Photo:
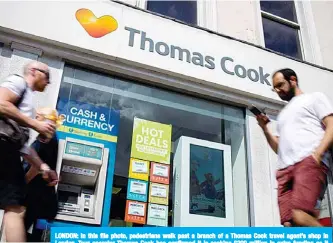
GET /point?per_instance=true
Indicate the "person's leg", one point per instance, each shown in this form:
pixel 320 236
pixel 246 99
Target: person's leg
pixel 310 177
pixel 14 224
pixel 284 179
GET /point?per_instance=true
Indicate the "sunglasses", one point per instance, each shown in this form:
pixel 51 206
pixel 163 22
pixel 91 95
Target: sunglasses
pixel 47 74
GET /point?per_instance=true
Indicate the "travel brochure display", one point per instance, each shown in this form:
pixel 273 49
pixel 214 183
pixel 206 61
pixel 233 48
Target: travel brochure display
pixel 149 163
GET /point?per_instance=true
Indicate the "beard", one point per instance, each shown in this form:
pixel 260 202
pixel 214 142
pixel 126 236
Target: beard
pixel 289 95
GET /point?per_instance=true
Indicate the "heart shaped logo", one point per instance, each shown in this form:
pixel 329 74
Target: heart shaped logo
pixel 96 27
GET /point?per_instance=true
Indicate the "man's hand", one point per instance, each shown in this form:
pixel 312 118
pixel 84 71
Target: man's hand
pixel 44 128
pixel 317 157
pixel 263 120
pixel 49 175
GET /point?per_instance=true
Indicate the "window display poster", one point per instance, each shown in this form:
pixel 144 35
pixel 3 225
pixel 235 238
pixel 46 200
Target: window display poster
pixel 89 121
pixel 159 193
pixel 159 173
pixel 157 215
pixel 207 189
pixel 151 141
pixel 139 169
pixel 135 212
pixel 137 190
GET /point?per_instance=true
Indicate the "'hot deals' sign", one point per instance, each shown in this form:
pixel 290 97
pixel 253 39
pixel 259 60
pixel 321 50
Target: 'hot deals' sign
pixel 151 141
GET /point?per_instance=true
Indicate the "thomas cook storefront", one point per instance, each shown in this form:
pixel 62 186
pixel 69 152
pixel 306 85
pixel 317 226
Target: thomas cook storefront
pixel 156 127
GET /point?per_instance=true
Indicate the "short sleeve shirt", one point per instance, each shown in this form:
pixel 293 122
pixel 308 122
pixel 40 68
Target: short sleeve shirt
pixel 16 84
pixel 300 128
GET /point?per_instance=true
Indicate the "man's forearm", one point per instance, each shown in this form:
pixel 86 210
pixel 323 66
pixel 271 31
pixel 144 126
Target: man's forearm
pixel 33 159
pixel 271 139
pixel 7 109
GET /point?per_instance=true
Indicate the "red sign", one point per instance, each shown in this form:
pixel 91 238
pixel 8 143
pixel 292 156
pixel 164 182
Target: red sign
pixel 135 212
pixel 160 173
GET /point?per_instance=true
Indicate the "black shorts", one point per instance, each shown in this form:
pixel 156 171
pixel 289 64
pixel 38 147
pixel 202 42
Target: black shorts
pixel 12 179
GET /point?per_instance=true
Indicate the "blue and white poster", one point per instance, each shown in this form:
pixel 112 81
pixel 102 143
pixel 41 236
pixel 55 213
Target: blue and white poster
pixel 89 120
pixel 207 188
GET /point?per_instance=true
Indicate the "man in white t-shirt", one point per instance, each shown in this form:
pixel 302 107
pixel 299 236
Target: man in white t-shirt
pixel 303 141
pixel 16 103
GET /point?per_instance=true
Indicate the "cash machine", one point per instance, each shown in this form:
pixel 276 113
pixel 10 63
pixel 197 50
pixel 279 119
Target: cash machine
pixel 82 167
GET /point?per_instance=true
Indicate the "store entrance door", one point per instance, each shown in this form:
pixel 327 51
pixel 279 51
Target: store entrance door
pixel 203 193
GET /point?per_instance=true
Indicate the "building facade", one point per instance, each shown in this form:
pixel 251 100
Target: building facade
pixel 196 65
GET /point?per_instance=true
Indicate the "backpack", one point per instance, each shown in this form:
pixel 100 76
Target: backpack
pixel 10 131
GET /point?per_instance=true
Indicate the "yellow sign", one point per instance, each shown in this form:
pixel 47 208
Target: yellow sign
pixel 159 193
pixel 151 141
pixel 139 169
pixel 85 133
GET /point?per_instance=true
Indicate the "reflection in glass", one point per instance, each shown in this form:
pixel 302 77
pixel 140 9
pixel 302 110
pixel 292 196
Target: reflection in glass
pixel 185 11
pixel 281 38
pixel 207 189
pixel 283 9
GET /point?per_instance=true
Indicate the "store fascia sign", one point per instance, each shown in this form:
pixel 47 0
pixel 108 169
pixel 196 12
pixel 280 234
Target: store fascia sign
pixel 227 64
pixel 99 27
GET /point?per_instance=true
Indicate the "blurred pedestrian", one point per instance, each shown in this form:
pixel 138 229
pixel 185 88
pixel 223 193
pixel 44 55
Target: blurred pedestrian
pixel 303 140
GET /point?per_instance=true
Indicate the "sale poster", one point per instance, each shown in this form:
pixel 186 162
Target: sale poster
pixel 157 215
pixel 137 190
pixel 151 141
pixel 139 169
pixel 159 193
pixel 135 212
pixel 160 173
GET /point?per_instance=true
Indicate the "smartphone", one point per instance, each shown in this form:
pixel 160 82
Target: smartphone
pixel 257 112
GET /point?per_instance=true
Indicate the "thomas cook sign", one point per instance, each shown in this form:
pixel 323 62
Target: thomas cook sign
pixel 227 64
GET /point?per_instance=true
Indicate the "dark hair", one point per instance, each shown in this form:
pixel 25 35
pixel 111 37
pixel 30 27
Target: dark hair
pixel 287 73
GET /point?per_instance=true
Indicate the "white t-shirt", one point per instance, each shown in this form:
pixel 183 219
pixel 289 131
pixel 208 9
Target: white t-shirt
pixel 16 84
pixel 300 128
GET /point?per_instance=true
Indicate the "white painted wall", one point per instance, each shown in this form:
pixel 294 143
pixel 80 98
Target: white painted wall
pixel 263 180
pixel 323 18
pixel 238 19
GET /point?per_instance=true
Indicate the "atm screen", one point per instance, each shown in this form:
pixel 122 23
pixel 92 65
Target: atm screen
pixel 68 197
pixel 84 150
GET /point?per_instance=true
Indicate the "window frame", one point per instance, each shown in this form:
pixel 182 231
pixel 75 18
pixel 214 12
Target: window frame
pixel 309 44
pixel 285 22
pixel 206 12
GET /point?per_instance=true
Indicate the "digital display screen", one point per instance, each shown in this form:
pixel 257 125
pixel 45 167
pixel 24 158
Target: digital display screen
pixel 207 188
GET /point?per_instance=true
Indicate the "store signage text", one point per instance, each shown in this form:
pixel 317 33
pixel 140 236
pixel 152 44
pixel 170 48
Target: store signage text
pixel 227 64
pixel 87 118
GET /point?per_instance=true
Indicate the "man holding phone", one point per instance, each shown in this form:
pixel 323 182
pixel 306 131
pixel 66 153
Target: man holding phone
pixel 303 140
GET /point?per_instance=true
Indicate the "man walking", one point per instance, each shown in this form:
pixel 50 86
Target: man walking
pixel 16 103
pixel 304 137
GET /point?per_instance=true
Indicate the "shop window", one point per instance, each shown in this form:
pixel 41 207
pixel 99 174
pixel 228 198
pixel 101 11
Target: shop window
pixel 185 11
pixel 281 27
pixel 188 115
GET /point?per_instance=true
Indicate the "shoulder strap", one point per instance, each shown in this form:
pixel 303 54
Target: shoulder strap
pixel 19 101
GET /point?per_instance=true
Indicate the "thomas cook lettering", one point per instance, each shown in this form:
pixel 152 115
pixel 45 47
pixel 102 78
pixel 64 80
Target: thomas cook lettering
pixel 228 65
